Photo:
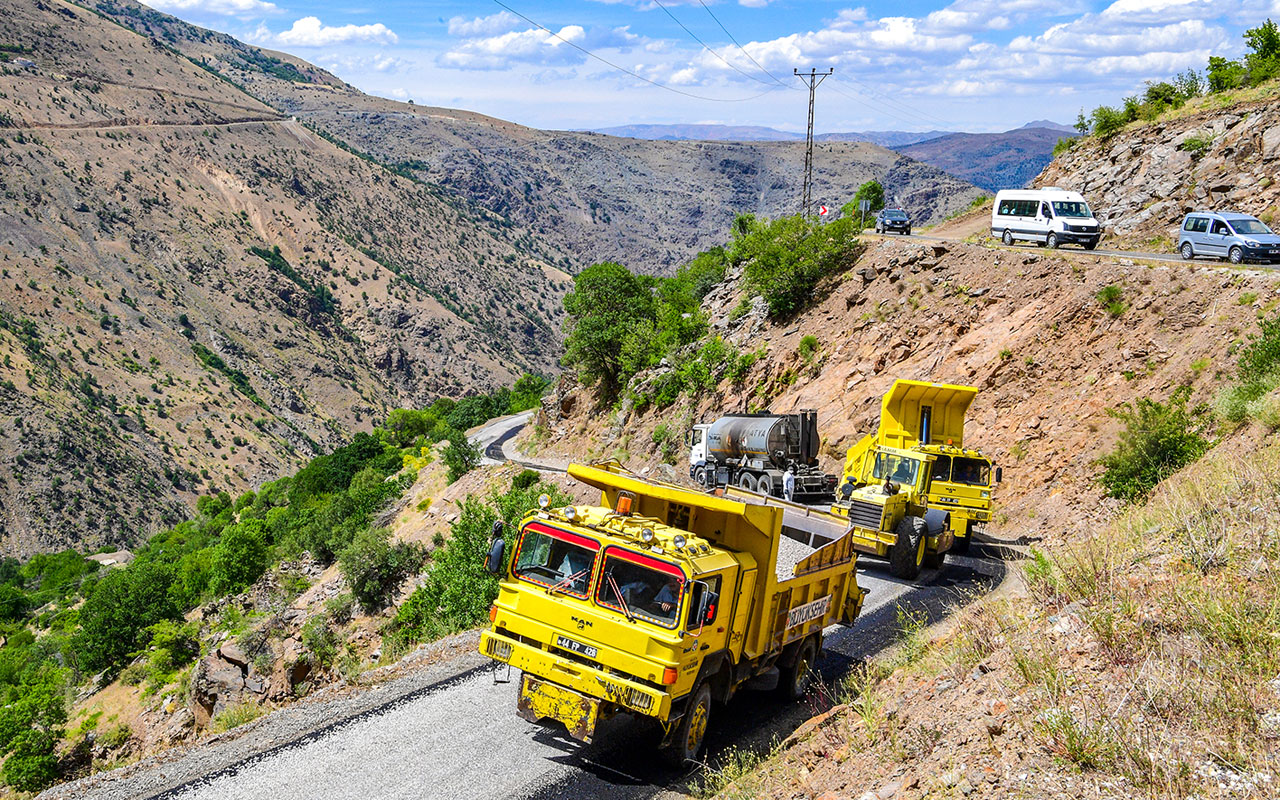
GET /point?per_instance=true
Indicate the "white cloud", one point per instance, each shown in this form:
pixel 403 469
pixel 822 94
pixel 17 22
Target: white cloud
pixel 231 8
pixel 502 22
pixel 534 46
pixel 310 32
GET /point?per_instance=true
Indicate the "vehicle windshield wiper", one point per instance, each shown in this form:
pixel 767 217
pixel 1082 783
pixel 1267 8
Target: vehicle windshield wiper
pixel 626 610
pixel 568 579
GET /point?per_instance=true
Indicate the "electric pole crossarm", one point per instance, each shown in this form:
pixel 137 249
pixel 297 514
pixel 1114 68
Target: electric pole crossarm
pixel 812 79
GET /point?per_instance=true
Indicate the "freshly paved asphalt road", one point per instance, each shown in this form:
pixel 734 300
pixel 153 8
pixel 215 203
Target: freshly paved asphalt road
pixel 459 736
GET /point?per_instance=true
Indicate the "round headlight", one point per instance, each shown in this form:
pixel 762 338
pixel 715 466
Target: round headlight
pixel 544 500
pixel 646 535
pixel 570 513
pixel 678 541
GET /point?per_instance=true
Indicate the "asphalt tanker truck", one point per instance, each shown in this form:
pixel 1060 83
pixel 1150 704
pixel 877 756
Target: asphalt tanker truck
pixel 754 451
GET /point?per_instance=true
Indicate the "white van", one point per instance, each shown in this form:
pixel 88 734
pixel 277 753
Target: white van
pixel 1049 216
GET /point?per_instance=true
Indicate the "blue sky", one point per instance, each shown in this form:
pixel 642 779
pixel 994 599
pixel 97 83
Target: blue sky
pixel 976 65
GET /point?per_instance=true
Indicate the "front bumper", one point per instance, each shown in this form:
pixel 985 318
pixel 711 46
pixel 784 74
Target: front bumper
pixel 634 696
pixel 1075 237
pixel 1267 253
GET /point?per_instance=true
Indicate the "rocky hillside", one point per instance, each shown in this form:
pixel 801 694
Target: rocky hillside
pixel 648 204
pixel 1144 179
pixel 199 292
pixel 992 161
pixel 1026 328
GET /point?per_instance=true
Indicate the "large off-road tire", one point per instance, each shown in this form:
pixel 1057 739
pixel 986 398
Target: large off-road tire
pixel 934 560
pixel 907 554
pixel 764 485
pixel 1051 241
pixel 1007 238
pixel 1236 256
pixel 692 734
pixel 1188 252
pixel 797 678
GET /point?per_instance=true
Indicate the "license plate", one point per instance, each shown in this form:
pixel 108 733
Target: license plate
pixel 576 647
pixel 1274 252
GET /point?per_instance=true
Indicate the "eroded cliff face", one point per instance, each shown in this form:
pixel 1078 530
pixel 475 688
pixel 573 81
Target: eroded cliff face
pixel 1143 180
pixel 1025 327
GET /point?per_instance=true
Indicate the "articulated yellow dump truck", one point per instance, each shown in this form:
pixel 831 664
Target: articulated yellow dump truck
pixel 911 490
pixel 659 601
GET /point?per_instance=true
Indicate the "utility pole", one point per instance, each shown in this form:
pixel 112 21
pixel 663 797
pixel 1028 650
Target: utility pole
pixel 811 78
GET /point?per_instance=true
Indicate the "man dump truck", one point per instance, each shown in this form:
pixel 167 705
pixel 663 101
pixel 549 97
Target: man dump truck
pixel 754 451
pixel 658 602
pixel 909 492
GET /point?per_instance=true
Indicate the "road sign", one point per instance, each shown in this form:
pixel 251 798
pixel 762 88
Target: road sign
pixel 864 205
pixel 823 211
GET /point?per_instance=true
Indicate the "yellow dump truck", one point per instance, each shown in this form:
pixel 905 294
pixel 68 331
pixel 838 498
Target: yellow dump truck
pixel 911 491
pixel 659 601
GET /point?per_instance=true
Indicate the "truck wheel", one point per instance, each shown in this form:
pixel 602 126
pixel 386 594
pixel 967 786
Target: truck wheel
pixel 1052 241
pixel 797 678
pixel 935 560
pixel 700 476
pixel 907 554
pixel 960 545
pixel 1007 238
pixel 693 728
pixel 745 481
pixel 764 485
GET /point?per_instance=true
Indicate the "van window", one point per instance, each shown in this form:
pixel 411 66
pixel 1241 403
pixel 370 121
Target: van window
pixel 1202 224
pixel 1044 210
pixel 1017 208
pixel 1071 208
pixel 1220 227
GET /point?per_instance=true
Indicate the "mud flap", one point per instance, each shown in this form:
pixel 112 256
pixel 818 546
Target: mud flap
pixel 539 699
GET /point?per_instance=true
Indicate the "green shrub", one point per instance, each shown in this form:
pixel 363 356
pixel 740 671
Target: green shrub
pixel 525 479
pixel 784 259
pixel 114 619
pixel 808 346
pixel 1158 440
pixel 1196 145
pixel 375 567
pixel 1257 375
pixel 1108 121
pixel 320 639
pixel 457 591
pixel 239 558
pixel 235 716
pixel 1112 299
pixel 31 720
pixel 1064 145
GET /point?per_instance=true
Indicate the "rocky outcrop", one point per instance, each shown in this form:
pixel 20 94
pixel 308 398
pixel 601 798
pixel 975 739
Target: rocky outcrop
pixel 1143 180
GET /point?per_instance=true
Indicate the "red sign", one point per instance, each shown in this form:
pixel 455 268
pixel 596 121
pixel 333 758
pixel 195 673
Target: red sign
pixel 823 211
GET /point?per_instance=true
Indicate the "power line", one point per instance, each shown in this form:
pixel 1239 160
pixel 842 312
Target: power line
pixel 635 75
pixel 707 47
pixel 889 105
pixel 743 49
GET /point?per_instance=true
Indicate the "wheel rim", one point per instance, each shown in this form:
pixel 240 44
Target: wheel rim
pixel 1053 240
pixel 1236 256
pixel 920 551
pixel 697 729
pixel 1008 238
pixel 1186 251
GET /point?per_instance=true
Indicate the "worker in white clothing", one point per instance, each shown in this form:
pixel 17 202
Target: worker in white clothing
pixel 788 484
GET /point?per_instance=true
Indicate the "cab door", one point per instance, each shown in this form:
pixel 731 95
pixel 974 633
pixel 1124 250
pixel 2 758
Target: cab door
pixel 713 633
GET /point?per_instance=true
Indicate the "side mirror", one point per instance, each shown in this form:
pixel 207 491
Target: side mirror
pixel 707 611
pixel 493 562
pixel 999 474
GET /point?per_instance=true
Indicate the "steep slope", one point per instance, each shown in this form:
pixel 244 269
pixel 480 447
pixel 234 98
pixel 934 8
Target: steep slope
pixel 1026 328
pixel 148 352
pixel 648 204
pixel 1143 180
pixel 993 161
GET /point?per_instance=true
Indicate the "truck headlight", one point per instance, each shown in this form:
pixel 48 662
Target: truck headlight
pixel 986 495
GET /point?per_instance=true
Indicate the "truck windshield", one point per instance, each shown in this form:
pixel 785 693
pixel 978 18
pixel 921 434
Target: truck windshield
pixel 1072 208
pixel 639 586
pixel 556 559
pixel 898 469
pixel 972 471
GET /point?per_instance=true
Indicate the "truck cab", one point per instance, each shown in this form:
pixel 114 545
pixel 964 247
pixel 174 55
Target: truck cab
pixel 656 602
pixel 961 483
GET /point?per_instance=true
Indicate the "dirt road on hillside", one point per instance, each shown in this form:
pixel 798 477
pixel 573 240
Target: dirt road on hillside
pixel 452 731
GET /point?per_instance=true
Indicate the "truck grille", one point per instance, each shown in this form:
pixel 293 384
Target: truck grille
pixel 496 648
pixel 864 514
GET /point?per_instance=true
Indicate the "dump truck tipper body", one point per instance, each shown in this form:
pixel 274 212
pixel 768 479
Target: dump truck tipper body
pixel 754 451
pixel 656 602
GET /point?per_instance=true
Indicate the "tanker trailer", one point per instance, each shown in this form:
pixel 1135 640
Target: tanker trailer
pixel 754 450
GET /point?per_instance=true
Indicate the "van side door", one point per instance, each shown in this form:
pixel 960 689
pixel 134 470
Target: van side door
pixel 1046 214
pixel 1216 240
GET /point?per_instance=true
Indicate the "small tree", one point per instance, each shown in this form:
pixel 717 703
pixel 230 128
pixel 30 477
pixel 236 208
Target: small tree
pixel 606 302
pixel 239 558
pixel 460 456
pixel 871 191
pixel 31 722
pixel 114 618
pixel 375 567
pixel 1224 75
pixel 1264 60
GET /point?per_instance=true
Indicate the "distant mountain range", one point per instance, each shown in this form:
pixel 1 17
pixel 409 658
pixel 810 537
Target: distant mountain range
pixel 992 161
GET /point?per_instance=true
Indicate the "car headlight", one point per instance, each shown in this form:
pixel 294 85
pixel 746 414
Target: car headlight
pixel 1250 243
